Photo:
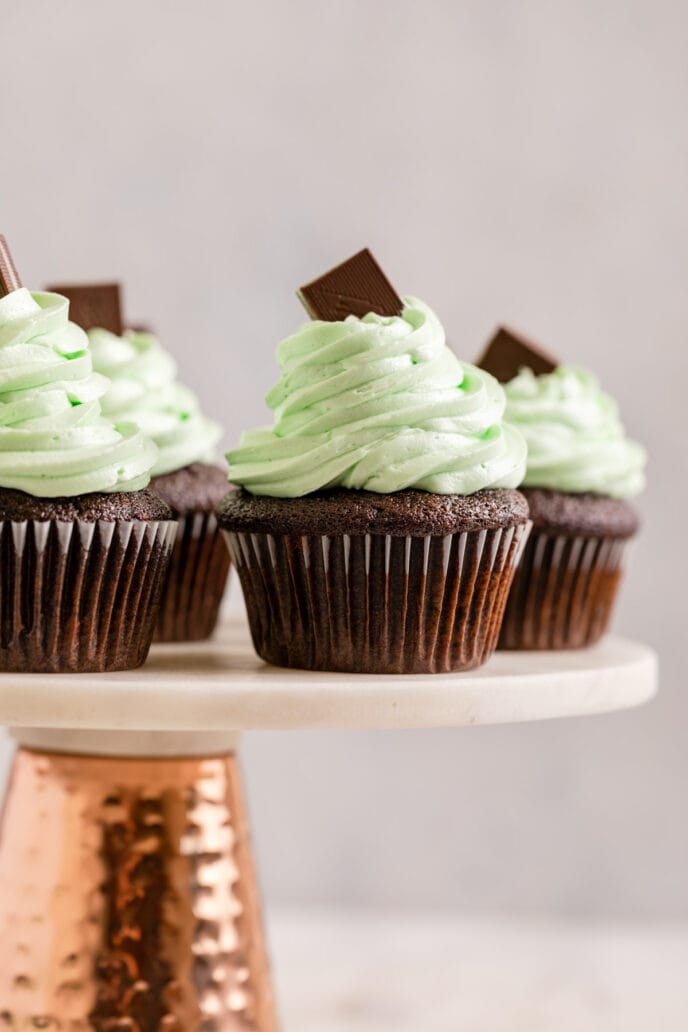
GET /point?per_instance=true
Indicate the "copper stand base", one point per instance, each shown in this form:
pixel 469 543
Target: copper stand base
pixel 128 900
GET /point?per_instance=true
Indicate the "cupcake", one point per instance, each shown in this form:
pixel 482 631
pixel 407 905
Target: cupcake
pixel 581 471
pixel 84 546
pixel 144 389
pixel 376 526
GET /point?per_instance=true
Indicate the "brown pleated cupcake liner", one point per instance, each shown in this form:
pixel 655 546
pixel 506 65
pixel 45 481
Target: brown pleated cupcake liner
pixel 563 591
pixel 80 596
pixel 376 603
pixel 196 580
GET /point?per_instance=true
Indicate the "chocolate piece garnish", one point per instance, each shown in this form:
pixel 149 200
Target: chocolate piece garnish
pixel 95 305
pixel 9 277
pixel 142 328
pixel 355 287
pixel 508 352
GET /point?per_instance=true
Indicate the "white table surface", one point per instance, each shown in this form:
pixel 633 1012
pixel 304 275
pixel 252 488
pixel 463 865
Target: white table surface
pixel 348 972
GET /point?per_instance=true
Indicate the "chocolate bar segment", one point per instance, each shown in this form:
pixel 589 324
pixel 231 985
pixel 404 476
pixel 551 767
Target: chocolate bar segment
pixel 356 287
pixel 94 305
pixel 9 277
pixel 508 352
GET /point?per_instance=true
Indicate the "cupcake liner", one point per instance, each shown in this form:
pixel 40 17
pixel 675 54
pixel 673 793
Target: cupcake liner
pixel 563 591
pixel 196 580
pixel 376 603
pixel 81 595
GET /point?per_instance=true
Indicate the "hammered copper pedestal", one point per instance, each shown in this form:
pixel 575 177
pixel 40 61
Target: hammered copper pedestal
pixel 128 899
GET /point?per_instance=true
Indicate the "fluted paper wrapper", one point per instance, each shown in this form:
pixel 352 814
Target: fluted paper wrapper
pixel 563 592
pixel 80 596
pixel 195 582
pixel 376 603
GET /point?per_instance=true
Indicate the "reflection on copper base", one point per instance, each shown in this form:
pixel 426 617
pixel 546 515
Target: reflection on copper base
pixel 128 900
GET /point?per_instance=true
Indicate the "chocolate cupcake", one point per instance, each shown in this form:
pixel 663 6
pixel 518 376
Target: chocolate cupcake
pixel 82 579
pixel 144 389
pixel 581 470
pixel 84 548
pixel 200 561
pixel 377 527
pixel 566 582
pixel 401 583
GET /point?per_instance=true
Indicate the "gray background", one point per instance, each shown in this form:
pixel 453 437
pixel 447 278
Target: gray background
pixel 506 161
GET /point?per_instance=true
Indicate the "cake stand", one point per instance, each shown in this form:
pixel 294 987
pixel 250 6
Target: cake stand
pixel 128 898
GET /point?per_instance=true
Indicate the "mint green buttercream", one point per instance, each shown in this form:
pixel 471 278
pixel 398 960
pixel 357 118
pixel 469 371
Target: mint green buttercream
pixel 379 404
pixel 144 390
pixel 576 441
pixel 54 440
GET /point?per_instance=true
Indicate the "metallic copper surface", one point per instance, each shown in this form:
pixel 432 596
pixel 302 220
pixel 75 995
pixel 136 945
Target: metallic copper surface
pixel 128 900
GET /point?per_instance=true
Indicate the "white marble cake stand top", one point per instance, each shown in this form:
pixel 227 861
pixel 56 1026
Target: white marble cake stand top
pixel 221 686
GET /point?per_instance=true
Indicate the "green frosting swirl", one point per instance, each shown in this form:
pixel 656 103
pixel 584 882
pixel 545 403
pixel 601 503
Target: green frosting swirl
pixel 379 404
pixel 144 390
pixel 576 441
pixel 54 440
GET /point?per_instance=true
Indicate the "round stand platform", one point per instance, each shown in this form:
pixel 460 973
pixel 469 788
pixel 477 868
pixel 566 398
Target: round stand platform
pixel 222 685
pixel 127 893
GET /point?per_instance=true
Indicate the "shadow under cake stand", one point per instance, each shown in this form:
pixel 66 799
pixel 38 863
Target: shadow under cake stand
pixel 128 899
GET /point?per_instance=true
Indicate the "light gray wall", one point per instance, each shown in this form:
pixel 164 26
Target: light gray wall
pixel 520 161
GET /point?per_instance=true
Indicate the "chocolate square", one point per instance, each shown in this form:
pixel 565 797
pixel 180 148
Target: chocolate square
pixel 9 277
pixel 94 305
pixel 356 287
pixel 509 352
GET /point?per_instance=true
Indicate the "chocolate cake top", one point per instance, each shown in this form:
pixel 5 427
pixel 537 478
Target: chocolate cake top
pixel 340 511
pixel 120 505
pixel 586 514
pixel 199 487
